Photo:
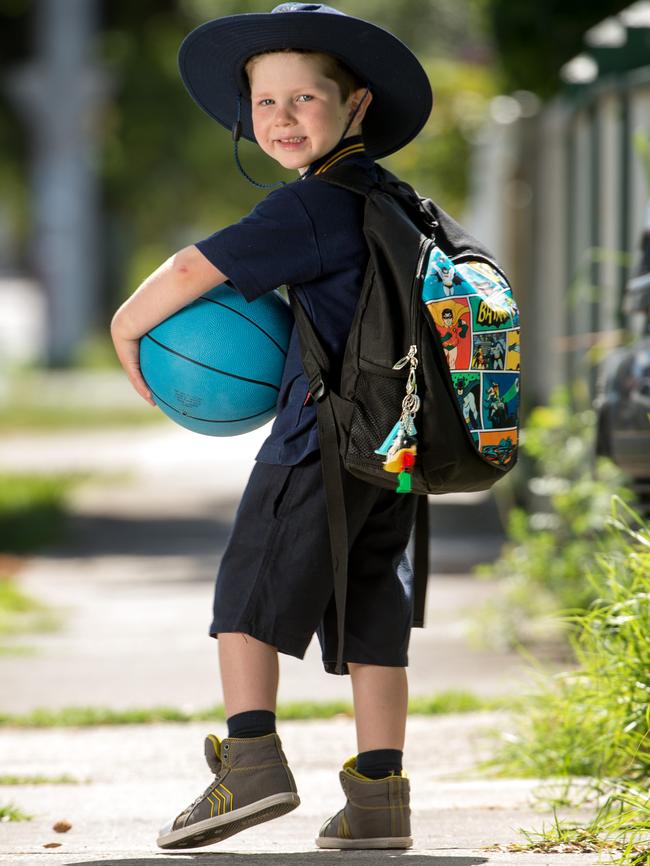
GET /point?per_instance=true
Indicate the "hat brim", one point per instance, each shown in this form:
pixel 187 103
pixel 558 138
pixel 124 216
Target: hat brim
pixel 211 60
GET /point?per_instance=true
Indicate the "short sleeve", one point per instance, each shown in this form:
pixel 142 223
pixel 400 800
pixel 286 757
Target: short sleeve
pixel 274 245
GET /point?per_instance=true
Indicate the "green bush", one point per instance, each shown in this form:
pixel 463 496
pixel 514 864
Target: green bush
pixel 594 721
pixel 552 545
pixel 32 510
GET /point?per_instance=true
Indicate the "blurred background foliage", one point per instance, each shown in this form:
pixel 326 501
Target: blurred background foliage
pixel 168 175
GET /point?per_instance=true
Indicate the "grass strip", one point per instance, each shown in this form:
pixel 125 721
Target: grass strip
pixel 11 812
pixel 65 779
pixel 444 702
pixel 569 837
pixel 17 650
pixel 51 419
pixel 19 613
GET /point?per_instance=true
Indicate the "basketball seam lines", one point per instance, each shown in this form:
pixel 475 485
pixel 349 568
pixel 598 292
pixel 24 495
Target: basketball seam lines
pixel 208 367
pixel 266 333
pixel 209 420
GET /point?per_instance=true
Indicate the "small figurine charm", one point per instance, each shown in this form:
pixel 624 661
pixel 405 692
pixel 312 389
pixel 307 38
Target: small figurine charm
pixel 400 446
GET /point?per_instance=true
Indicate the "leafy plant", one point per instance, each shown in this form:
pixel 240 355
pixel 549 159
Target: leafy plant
pixel 591 726
pixel 561 537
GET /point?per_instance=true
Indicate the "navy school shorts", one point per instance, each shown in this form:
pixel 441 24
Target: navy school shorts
pixel 275 580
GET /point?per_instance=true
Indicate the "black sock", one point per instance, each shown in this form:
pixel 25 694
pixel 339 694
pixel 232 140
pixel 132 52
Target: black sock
pixel 379 763
pixel 253 723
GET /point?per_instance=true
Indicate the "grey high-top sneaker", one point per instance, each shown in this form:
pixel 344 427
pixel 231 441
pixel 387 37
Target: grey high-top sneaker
pixel 376 815
pixel 252 784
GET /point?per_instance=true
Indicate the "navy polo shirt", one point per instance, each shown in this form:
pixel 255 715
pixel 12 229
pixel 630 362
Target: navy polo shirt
pixel 308 235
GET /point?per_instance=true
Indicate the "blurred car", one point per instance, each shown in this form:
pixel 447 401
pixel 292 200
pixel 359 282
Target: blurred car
pixel 623 401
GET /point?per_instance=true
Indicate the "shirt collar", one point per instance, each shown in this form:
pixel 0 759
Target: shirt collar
pixel 352 146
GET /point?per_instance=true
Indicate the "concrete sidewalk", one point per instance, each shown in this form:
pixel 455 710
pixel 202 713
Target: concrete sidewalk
pixel 135 778
pixel 134 585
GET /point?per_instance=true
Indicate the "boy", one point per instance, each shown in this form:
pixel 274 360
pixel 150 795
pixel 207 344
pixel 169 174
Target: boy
pixel 300 81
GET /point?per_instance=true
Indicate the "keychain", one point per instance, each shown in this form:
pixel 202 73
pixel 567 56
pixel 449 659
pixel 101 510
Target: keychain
pixel 399 448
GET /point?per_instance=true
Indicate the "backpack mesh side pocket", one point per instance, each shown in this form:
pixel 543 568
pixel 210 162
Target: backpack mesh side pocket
pixel 378 405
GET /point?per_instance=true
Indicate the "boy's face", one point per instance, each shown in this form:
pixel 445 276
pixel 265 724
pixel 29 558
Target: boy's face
pixel 297 112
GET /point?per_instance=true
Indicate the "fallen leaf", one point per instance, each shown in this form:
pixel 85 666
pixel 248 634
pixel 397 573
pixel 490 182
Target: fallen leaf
pixel 62 826
pixel 52 845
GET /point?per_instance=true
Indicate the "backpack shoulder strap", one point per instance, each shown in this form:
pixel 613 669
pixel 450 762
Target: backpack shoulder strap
pixel 316 366
pixel 421 561
pixel 429 216
pixel 357 179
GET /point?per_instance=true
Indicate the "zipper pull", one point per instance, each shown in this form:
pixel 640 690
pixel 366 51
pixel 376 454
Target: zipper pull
pixel 407 359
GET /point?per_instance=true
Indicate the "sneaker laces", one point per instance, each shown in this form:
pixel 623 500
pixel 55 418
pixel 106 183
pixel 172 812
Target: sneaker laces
pixel 213 759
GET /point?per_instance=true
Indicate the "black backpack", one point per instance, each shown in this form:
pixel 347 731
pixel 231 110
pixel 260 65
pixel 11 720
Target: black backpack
pixel 428 395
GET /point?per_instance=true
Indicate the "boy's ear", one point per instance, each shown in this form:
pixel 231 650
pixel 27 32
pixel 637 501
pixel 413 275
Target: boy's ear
pixel 360 96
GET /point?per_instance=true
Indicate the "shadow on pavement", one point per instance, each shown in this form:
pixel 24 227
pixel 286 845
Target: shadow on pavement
pixel 280 859
pixel 100 535
pixel 463 535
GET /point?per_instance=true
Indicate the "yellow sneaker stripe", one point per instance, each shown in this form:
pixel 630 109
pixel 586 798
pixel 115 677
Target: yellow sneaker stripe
pixel 230 794
pixel 221 800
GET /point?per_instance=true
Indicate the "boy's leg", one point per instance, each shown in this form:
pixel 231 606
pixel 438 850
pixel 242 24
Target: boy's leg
pixel 377 811
pixel 252 781
pixel 380 697
pixel 249 673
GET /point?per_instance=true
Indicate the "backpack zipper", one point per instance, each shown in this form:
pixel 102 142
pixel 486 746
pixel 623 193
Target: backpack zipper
pixel 459 258
pixel 416 294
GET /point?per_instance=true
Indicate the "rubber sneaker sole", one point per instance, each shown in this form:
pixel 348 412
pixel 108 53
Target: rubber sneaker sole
pixel 212 830
pixel 379 842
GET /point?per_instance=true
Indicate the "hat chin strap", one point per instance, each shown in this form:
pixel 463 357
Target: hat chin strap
pixel 236 135
pixel 354 114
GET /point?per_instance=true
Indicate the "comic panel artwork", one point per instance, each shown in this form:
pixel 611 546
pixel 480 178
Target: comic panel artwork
pixel 468 394
pixel 489 351
pixel 498 446
pixel 453 321
pixel 496 312
pixel 477 321
pixel 513 355
pixel 500 400
pixel 444 279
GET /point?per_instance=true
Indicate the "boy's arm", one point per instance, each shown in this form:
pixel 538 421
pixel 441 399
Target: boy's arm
pixel 183 278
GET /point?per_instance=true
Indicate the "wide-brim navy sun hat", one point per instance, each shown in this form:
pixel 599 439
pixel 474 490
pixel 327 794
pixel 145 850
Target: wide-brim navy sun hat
pixel 212 59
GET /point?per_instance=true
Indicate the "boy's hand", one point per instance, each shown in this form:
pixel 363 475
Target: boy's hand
pixel 181 279
pixel 128 352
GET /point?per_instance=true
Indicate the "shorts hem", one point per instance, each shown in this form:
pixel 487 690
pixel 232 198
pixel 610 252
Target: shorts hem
pixel 330 665
pixel 292 646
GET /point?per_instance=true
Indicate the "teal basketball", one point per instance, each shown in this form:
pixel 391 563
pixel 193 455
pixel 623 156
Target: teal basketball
pixel 215 366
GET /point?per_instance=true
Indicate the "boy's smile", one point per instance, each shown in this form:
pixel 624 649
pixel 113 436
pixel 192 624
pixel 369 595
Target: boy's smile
pixel 297 112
